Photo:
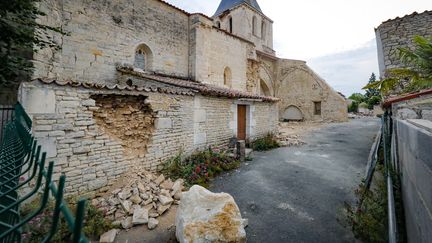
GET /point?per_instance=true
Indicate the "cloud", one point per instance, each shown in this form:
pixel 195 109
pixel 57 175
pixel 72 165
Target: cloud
pixel 348 71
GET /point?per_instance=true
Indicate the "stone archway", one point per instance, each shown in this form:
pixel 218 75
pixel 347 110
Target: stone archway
pixel 292 113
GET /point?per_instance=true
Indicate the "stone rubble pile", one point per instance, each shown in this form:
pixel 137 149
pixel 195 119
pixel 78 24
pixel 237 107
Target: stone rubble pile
pixel 141 199
pixel 289 140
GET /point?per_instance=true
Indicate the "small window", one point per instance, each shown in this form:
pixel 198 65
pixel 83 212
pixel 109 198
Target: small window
pixel 143 57
pixel 317 108
pixel 230 25
pixel 218 24
pixel 227 77
pixel 263 30
pixel 254 25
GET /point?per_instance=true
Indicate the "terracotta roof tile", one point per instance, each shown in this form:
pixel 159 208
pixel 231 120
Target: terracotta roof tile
pixel 116 87
pixel 204 89
pixel 389 101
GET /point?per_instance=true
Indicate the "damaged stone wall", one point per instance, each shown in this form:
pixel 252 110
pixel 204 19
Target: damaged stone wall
pixel 127 118
pixel 253 77
pixel 300 86
pixel 82 133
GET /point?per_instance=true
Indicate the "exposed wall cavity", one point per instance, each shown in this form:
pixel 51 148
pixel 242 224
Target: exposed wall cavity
pixel 126 118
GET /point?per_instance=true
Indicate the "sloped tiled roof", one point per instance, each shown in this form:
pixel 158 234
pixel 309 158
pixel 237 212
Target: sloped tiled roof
pixel 117 87
pixel 204 89
pixel 230 4
pixel 389 101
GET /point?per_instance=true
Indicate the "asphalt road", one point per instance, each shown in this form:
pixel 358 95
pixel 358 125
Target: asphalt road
pixel 296 194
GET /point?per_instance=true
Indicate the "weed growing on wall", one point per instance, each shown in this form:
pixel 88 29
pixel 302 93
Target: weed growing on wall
pixel 200 167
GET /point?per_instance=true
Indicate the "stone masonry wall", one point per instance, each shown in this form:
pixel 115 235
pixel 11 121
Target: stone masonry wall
pixel 299 86
pixel 399 32
pixel 95 135
pixel 215 50
pixel 102 33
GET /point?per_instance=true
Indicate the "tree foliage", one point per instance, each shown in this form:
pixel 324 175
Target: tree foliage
pixel 20 34
pixel 415 76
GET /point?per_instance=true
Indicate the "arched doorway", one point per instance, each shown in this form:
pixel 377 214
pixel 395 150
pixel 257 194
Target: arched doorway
pixel 292 113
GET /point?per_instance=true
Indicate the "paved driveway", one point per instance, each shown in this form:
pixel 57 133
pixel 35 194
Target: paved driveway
pixel 296 194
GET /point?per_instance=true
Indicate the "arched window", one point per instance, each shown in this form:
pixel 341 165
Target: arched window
pixel 227 77
pixel 254 25
pixel 143 57
pixel 263 30
pixel 218 24
pixel 230 25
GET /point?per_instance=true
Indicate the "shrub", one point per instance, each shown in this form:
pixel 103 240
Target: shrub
pixel 200 167
pixel 265 143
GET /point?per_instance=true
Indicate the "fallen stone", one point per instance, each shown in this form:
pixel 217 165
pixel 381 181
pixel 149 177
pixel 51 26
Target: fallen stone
pixel 164 200
pixel 141 187
pixel 148 201
pixel 204 216
pixel 177 186
pixel 153 215
pixel 135 199
pixel 160 179
pixel 161 209
pixel 126 205
pixel 144 196
pixel 113 201
pixel 127 223
pixel 108 237
pixel 167 184
pixel 140 216
pixel 152 223
pixel 124 194
pixel 177 196
pixel 116 191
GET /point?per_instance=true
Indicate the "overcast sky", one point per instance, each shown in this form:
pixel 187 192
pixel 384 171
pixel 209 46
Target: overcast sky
pixel 335 37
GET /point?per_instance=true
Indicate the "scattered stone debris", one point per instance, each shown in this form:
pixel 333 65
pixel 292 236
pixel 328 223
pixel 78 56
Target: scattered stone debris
pixel 289 140
pixel 139 199
pixel 203 215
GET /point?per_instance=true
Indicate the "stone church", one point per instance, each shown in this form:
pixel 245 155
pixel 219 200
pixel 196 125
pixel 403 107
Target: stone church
pixel 136 82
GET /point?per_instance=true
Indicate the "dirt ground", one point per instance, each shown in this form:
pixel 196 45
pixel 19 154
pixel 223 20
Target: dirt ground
pixel 298 128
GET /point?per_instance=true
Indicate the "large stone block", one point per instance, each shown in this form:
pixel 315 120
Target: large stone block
pixel 38 100
pixel 163 123
pixel 204 216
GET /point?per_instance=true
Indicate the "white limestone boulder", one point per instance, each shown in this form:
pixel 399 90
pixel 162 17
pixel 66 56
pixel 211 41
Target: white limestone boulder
pixel 204 216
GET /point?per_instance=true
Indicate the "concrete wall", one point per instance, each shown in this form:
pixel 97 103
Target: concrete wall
pixel 399 32
pixel 413 122
pixel 94 141
pixel 103 33
pixel 414 140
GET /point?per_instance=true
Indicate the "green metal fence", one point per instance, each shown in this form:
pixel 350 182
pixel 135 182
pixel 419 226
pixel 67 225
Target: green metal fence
pixel 22 157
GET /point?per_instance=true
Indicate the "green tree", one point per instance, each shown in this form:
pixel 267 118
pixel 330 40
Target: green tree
pixel 372 91
pixel 418 71
pixel 357 97
pixel 20 34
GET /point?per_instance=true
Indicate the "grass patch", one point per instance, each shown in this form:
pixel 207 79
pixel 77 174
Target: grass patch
pixel 200 167
pixel 265 143
pixel 369 221
pixel 36 230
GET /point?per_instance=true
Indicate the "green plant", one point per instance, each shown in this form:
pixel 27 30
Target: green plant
pixel 415 76
pixel 265 143
pixel 20 34
pixel 369 220
pixel 199 167
pixel 35 231
pixel 353 107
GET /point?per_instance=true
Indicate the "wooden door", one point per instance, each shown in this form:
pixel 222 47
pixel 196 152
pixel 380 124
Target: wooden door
pixel 241 122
